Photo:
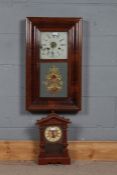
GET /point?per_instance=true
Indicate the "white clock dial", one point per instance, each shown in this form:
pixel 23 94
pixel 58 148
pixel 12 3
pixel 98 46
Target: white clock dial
pixel 53 133
pixel 53 45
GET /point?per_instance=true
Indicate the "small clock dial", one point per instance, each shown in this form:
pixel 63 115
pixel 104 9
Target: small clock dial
pixel 53 45
pixel 53 133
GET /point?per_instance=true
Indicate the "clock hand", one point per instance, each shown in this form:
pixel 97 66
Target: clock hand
pixel 45 48
pixel 53 134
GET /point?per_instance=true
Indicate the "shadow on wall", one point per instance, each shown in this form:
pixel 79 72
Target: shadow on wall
pixel 85 67
pixel 74 133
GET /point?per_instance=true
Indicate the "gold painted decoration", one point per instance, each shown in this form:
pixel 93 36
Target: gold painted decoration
pixel 53 80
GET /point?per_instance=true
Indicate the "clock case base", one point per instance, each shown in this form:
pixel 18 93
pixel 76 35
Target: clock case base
pixel 54 160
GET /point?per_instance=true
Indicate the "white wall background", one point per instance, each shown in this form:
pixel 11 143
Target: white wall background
pixel 98 119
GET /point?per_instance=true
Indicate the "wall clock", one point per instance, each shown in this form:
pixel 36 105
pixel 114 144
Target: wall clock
pixel 53 79
pixel 53 140
pixel 53 64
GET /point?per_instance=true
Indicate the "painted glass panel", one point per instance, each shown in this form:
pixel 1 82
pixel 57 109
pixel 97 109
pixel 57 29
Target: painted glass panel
pixel 53 80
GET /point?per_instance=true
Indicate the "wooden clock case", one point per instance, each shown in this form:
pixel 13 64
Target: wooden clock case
pixel 53 152
pixel 72 102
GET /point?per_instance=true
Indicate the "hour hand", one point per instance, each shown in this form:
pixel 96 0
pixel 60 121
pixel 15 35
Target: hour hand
pixel 44 48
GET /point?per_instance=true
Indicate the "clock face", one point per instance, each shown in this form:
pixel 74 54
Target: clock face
pixel 53 133
pixel 53 45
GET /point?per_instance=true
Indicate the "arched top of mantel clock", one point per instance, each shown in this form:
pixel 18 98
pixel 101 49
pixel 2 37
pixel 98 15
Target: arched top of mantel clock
pixel 53 118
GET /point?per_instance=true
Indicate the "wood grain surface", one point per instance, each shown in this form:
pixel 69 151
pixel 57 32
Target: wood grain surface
pixel 79 150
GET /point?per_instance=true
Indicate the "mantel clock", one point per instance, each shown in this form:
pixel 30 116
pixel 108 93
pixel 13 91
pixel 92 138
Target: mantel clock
pixel 53 140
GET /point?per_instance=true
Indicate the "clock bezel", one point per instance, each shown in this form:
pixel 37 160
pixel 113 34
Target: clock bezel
pixel 47 140
pixel 71 103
